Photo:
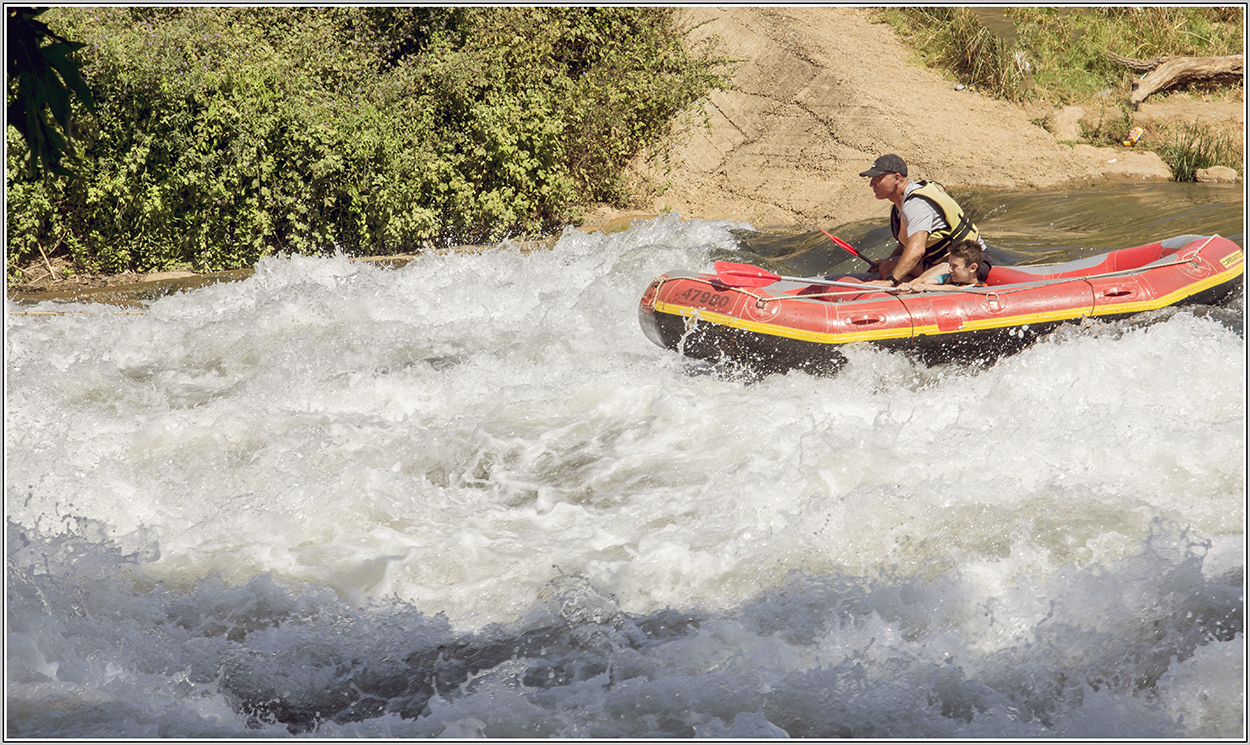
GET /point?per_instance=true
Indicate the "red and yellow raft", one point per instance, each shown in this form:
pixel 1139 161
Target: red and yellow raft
pixel 791 323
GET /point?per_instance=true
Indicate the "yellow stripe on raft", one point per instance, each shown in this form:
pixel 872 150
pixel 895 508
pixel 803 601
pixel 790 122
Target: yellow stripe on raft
pixel 772 329
pixel 984 324
pixel 1171 298
pixel 1066 314
pixel 1163 301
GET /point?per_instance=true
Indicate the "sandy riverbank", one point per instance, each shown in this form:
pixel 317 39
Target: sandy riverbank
pixel 822 91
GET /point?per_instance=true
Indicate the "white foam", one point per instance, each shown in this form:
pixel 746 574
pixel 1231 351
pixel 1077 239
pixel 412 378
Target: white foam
pixel 236 479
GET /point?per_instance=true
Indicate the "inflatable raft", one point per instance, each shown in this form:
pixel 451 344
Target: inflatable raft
pixel 787 322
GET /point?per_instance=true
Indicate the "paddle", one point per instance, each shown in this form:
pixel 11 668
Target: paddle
pixel 847 247
pixel 746 275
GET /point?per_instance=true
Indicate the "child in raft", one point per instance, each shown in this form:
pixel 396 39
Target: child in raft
pixel 959 272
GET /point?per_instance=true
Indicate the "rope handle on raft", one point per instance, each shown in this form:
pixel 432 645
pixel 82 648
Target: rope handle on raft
pixel 1193 257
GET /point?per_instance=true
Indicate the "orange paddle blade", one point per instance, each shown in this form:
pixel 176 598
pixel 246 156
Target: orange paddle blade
pixel 848 247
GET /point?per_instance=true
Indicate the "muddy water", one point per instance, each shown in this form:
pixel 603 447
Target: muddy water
pixel 1032 227
pixel 996 21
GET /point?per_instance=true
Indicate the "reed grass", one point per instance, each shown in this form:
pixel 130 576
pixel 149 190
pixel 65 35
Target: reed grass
pixel 1109 129
pixel 954 39
pixel 1193 146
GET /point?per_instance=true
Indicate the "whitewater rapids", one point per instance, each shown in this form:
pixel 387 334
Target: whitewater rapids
pixel 467 497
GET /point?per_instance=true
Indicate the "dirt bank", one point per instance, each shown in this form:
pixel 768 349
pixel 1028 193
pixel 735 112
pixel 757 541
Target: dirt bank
pixel 820 93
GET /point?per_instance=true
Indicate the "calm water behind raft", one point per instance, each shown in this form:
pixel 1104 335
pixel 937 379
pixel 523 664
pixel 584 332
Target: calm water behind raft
pixel 468 497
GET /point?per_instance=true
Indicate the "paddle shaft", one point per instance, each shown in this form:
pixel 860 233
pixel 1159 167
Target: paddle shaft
pixel 834 283
pixel 746 275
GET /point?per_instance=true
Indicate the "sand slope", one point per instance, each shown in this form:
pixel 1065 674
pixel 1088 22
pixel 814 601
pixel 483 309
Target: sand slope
pixel 820 92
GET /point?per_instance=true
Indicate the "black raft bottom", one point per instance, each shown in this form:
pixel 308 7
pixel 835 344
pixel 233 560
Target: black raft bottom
pixel 766 354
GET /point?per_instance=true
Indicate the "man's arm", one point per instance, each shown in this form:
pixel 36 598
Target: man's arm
pixel 921 219
pixel 912 254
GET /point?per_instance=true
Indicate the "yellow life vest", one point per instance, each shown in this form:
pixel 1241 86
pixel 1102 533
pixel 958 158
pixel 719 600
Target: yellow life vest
pixel 958 226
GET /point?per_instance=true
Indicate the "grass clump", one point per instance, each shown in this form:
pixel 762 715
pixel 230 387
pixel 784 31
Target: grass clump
pixel 1109 127
pixel 1189 147
pixel 957 40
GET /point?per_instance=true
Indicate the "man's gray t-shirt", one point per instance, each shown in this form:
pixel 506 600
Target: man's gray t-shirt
pixel 918 215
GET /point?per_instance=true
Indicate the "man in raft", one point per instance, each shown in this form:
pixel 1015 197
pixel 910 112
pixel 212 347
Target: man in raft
pixel 924 219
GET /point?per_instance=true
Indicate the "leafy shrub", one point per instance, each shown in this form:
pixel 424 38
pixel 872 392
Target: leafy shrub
pixel 222 134
pixel 42 80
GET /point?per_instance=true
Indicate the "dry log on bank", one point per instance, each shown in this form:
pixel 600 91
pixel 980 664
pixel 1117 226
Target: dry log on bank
pixel 1182 70
pixel 1140 65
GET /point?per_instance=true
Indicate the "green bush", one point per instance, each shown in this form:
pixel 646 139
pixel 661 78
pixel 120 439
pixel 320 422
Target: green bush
pixel 223 134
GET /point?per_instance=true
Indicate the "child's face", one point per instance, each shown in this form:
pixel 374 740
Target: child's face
pixel 961 271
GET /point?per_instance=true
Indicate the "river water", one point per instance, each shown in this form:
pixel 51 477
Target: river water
pixel 467 497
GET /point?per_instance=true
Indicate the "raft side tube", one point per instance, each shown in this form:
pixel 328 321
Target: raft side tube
pixel 779 326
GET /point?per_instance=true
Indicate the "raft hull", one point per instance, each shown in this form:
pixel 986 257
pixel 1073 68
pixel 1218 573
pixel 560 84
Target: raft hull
pixel 794 325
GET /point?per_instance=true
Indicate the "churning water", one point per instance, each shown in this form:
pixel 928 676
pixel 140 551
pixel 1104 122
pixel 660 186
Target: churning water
pixel 467 497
